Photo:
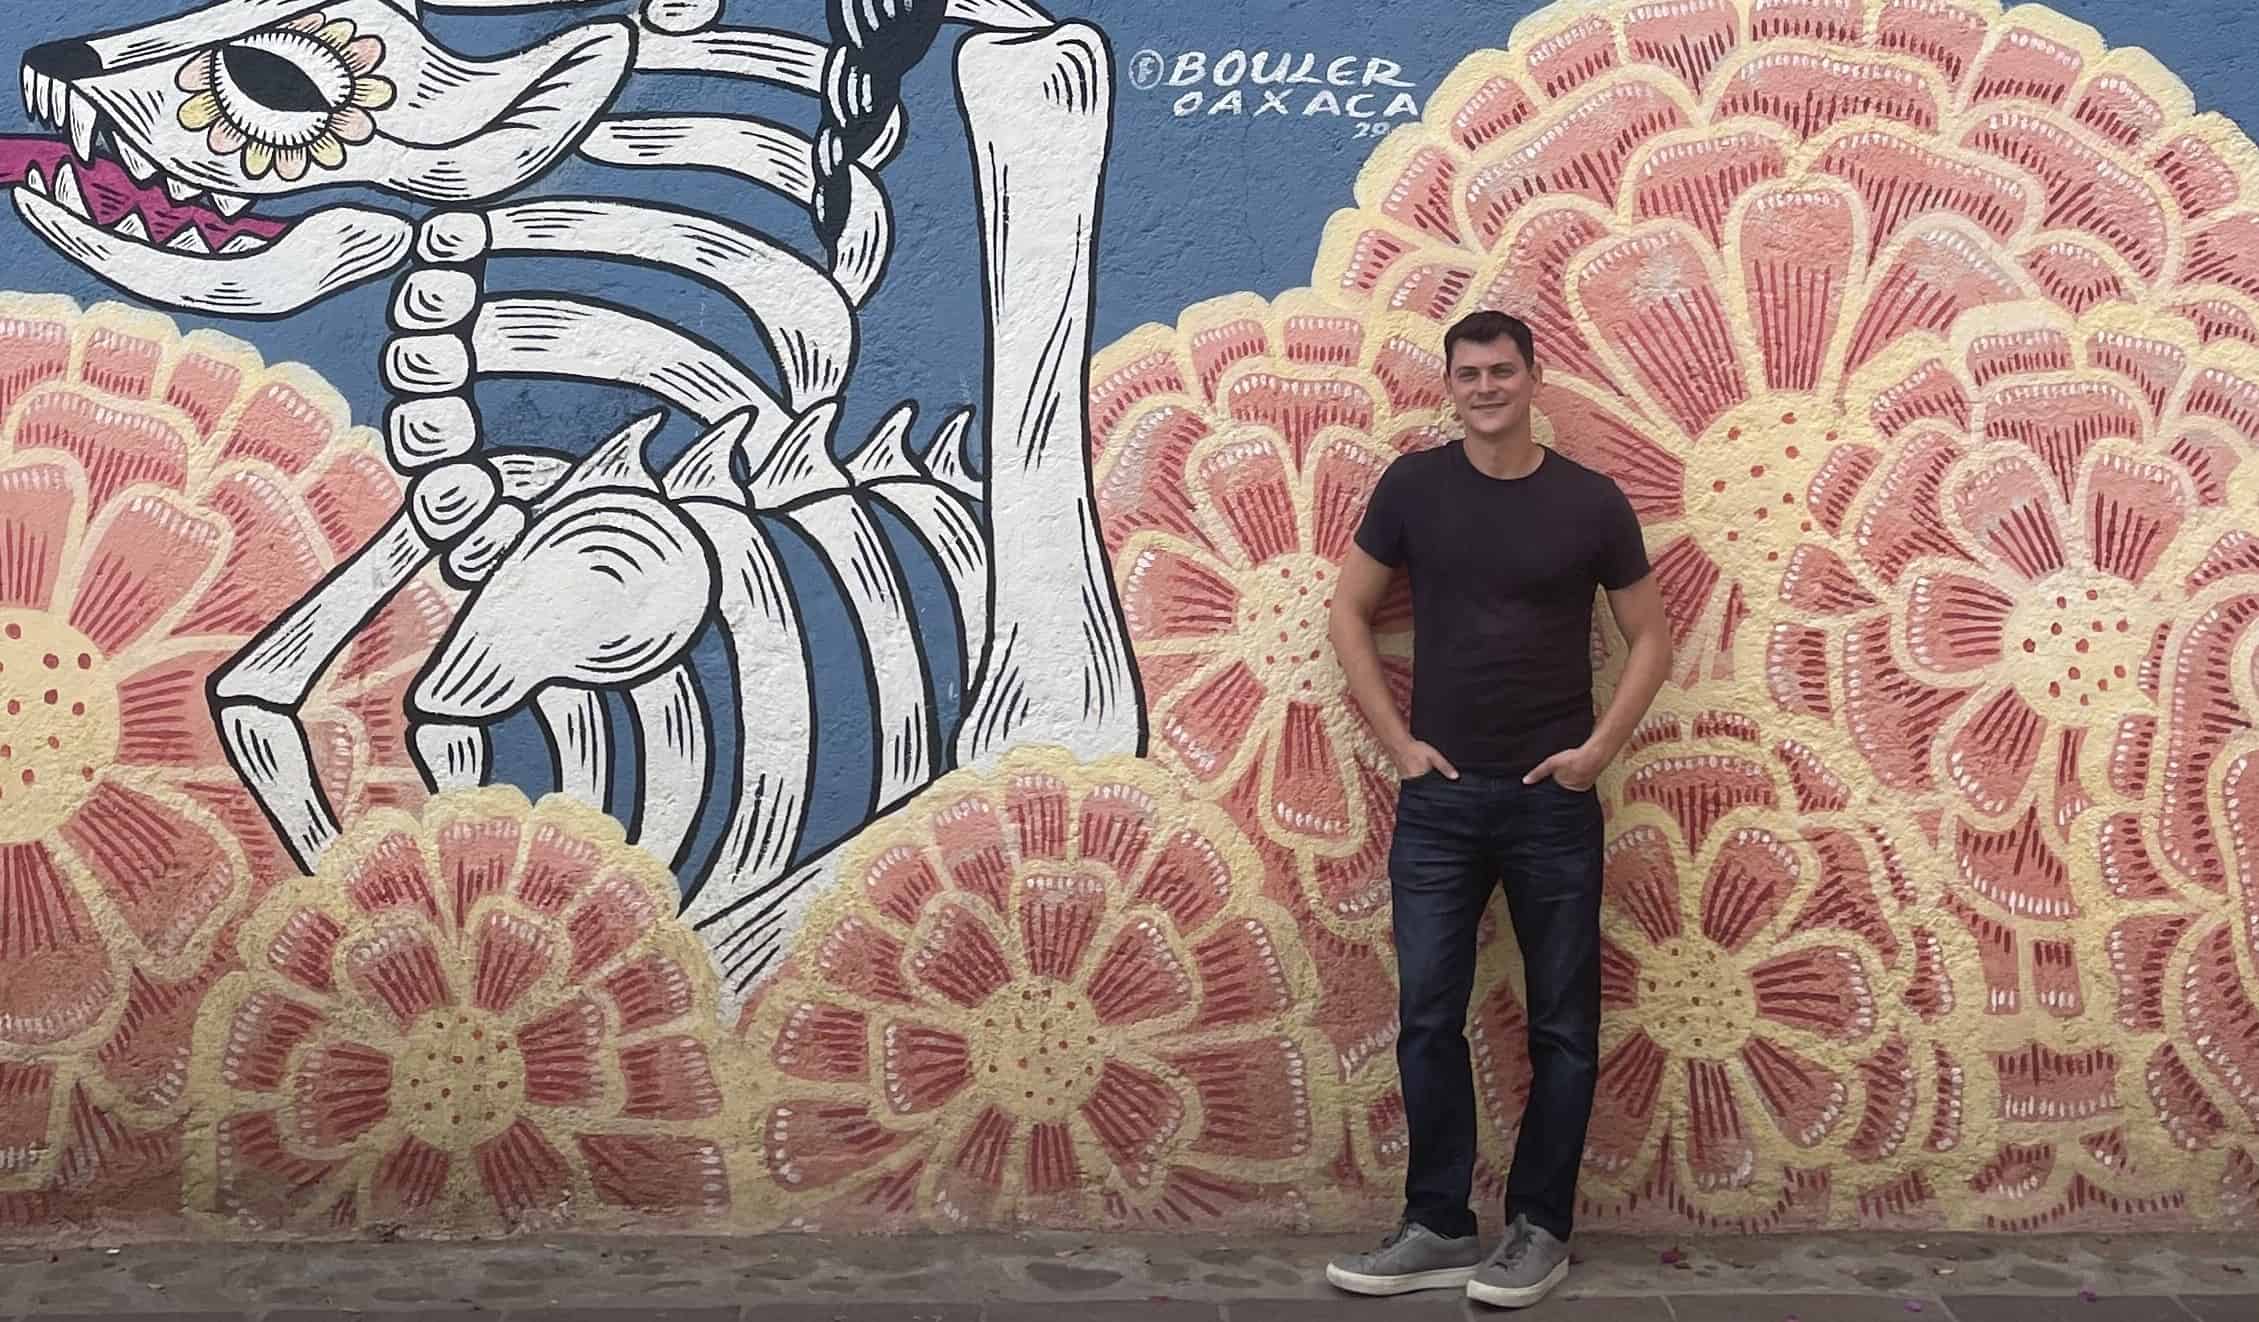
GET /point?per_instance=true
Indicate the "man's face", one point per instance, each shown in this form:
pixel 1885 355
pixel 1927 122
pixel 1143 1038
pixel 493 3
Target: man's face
pixel 1491 386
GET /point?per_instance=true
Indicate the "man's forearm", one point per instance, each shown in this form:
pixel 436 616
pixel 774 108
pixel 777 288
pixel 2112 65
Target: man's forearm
pixel 1360 662
pixel 1644 672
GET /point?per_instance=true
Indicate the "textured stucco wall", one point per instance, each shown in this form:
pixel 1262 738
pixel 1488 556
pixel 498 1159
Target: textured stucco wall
pixel 509 722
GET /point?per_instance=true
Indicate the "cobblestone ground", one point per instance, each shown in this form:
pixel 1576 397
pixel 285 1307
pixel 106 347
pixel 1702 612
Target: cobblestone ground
pixel 1051 1278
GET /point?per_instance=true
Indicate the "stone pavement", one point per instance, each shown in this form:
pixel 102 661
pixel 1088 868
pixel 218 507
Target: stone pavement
pixel 1073 1278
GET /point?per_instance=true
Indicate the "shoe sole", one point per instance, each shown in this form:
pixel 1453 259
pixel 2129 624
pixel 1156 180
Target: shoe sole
pixel 1506 1296
pixel 1359 1283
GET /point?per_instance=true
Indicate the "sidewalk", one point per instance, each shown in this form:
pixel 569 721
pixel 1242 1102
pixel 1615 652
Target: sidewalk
pixel 1072 1278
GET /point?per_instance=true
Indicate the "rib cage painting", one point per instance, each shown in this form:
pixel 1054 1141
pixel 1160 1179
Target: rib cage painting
pixel 237 105
pixel 712 564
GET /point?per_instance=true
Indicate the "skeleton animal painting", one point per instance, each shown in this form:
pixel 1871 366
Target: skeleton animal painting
pixel 179 145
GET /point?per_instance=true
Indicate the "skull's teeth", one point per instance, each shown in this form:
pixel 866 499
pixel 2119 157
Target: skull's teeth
pixel 84 119
pixel 138 165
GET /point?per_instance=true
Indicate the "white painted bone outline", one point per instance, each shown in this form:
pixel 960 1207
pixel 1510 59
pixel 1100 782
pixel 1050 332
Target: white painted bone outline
pixel 1045 653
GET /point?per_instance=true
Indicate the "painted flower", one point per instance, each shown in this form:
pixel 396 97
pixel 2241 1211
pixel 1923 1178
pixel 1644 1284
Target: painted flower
pixel 288 96
pixel 1047 994
pixel 1235 456
pixel 485 1017
pixel 2189 967
pixel 2026 624
pixel 1716 214
pixel 162 499
pixel 1771 995
pixel 1922 336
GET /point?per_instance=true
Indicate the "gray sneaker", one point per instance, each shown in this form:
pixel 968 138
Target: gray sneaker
pixel 1414 1258
pixel 1523 1270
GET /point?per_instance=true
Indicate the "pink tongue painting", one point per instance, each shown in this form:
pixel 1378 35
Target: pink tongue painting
pixel 111 193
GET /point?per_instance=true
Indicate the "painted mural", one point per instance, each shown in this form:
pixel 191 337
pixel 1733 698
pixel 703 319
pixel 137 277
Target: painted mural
pixel 533 701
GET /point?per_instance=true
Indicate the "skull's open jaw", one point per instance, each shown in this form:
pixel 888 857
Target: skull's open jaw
pixel 134 202
pixel 101 202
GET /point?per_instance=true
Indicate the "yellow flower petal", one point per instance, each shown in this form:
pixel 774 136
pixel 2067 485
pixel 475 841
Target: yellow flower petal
pixel 258 158
pixel 327 151
pixel 198 111
pixel 337 35
pixel 372 93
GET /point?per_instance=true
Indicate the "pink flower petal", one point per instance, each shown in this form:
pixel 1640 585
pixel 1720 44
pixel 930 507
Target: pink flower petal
pixel 1689 39
pixel 115 448
pixel 1698 792
pixel 1936 277
pixel 523 1172
pixel 560 1053
pixel 656 1173
pixel 1747 885
pixel 146 556
pixel 274 558
pixel 959 957
pixel 1210 718
pixel 2083 184
pixel 669 1078
pixel 36 505
pixel 924 1066
pixel 342 1091
pixel 398 969
pixel 55 975
pixel 163 869
pixel 1248 485
pixel 1674 331
pixel 1169 596
pixel 1796 262
pixel 1643 882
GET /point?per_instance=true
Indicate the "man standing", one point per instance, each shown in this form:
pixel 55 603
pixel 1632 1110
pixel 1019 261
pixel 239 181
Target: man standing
pixel 1507 543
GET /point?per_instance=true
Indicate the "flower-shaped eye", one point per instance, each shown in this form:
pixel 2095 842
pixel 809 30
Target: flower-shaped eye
pixel 287 96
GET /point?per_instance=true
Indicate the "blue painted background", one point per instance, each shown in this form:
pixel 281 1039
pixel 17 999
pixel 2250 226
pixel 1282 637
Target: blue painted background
pixel 1194 207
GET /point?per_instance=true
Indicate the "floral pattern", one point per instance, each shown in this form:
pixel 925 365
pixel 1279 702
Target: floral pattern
pixel 1924 337
pixel 1921 336
pixel 1048 994
pixel 485 1017
pixel 1767 982
pixel 161 497
pixel 1235 453
pixel 1716 217
pixel 240 90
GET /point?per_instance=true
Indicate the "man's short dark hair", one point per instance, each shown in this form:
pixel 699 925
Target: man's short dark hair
pixel 1489 327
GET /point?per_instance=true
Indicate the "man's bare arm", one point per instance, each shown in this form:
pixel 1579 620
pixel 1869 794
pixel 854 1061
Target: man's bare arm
pixel 1646 627
pixel 1356 597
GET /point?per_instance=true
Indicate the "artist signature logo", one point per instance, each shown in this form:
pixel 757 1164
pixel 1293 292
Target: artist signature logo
pixel 1369 90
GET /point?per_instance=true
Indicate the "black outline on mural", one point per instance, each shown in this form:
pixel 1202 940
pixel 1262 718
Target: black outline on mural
pixel 873 45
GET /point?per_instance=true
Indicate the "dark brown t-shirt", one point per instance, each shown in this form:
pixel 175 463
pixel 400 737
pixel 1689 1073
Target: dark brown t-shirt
pixel 1504 573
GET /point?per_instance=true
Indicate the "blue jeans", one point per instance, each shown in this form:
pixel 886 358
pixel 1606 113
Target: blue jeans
pixel 1455 841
